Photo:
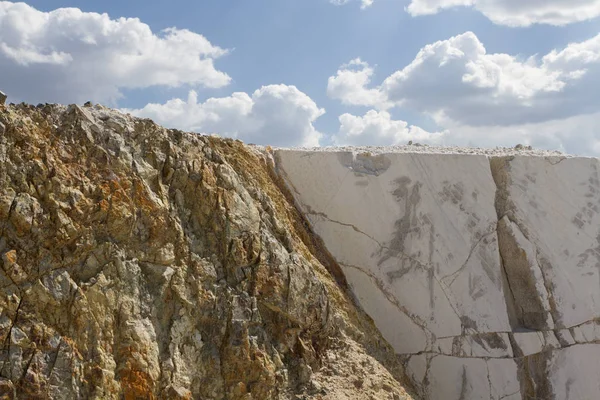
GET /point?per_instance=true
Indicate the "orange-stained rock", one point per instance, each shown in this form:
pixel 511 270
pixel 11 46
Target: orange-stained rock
pixel 145 263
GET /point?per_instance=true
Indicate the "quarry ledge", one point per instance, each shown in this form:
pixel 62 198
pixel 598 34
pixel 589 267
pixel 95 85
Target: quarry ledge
pixel 498 151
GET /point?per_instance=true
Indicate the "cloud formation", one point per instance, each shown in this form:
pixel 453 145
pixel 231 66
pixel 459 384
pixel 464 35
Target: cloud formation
pixel 377 128
pixel 517 12
pixel 457 80
pixel 350 83
pixel 277 115
pixel 575 135
pixel 475 97
pixel 67 55
pixel 513 13
pixel 364 3
pixel 479 98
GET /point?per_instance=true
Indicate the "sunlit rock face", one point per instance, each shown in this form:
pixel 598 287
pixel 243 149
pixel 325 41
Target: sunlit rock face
pixel 138 262
pixel 481 270
pixel 142 262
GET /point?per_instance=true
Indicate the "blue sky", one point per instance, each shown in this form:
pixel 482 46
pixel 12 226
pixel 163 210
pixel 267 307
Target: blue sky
pixel 304 43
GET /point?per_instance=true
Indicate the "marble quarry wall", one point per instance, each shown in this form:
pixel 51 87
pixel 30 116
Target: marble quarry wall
pixel 483 272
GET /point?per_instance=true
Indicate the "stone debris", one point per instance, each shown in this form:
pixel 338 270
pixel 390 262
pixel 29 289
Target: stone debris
pixel 145 263
pixel 417 148
pixel 481 270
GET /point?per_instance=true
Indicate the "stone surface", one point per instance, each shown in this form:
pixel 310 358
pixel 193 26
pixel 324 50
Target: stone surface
pixel 556 207
pixel 145 263
pixel 140 262
pixel 481 270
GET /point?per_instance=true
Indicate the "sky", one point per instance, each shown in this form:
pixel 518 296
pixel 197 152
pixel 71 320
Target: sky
pixel 321 72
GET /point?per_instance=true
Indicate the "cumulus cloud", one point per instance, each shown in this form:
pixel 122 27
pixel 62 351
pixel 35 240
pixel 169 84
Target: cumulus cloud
pixel 350 83
pixel 484 99
pixel 364 3
pixel 67 55
pixel 377 128
pixel 574 135
pixel 457 80
pixel 277 115
pixel 517 12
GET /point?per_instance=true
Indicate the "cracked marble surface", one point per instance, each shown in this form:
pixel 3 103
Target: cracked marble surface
pixel 482 272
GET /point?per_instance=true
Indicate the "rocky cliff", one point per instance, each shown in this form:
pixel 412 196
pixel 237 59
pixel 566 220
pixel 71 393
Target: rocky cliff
pixel 145 263
pixel 481 270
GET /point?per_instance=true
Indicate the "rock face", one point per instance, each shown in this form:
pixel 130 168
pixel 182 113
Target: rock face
pixel 483 272
pixel 145 263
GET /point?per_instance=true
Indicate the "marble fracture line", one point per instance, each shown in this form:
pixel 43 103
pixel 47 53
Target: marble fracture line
pixel 392 300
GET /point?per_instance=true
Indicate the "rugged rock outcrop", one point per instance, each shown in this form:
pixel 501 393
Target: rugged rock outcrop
pixel 140 263
pixel 482 271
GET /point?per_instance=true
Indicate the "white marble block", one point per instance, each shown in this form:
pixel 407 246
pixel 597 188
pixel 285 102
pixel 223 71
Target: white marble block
pixel 482 272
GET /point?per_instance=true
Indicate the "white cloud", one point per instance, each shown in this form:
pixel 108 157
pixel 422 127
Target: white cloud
pixel 509 12
pixel 377 128
pixel 574 135
pixel 350 85
pixel 68 55
pixel 364 3
pixel 277 115
pixel 483 99
pixel 339 2
pixel 457 80
pixel 517 12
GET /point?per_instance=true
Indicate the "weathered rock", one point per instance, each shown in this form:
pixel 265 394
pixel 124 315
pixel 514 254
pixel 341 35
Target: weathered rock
pixel 140 262
pixel 483 272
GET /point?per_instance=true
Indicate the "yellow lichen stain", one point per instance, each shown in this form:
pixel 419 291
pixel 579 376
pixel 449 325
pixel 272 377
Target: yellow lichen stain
pixel 10 257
